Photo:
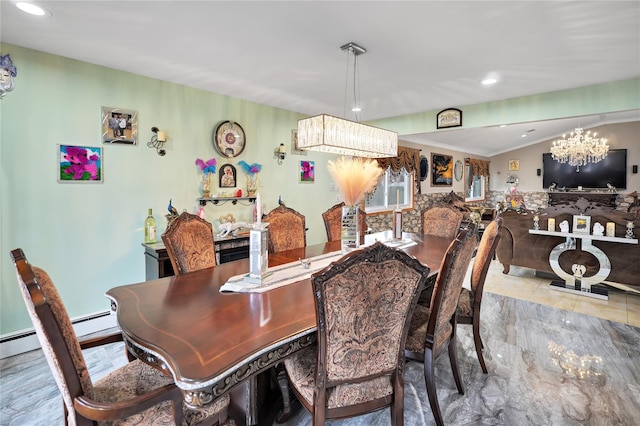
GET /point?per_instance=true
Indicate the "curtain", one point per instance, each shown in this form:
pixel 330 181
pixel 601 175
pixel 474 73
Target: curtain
pixel 409 158
pixel 478 168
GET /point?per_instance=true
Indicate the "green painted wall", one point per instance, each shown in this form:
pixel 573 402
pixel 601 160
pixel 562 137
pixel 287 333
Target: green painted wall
pixel 88 236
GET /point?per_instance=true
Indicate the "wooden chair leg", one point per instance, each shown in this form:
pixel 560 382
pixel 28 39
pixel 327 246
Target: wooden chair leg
pixel 479 346
pixel 429 378
pixel 453 358
pixel 283 384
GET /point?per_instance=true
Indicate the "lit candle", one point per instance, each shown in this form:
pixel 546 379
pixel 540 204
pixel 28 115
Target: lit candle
pixel 551 224
pixel 258 209
pixel 611 229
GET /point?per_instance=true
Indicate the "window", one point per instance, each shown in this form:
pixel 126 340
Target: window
pixel 474 185
pixel 395 189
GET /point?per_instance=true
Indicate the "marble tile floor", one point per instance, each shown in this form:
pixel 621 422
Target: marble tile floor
pixel 553 359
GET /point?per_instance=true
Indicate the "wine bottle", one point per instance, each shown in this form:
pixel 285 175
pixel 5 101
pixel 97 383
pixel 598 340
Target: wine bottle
pixel 150 228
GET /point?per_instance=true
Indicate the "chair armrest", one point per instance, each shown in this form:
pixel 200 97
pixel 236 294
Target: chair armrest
pixel 95 410
pixel 101 340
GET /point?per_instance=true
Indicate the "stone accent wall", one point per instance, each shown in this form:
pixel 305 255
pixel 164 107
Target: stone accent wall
pixel 534 200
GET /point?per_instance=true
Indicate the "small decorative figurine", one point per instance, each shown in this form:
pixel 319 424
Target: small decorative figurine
pixel 598 229
pixel 536 222
pixel 564 226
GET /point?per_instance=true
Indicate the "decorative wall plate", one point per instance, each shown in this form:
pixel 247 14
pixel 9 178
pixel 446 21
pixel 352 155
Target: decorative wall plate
pixel 457 170
pixel 229 139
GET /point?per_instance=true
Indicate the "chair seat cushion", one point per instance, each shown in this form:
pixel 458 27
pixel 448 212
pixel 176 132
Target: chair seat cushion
pixel 418 331
pixel 301 369
pixel 465 303
pixel 137 378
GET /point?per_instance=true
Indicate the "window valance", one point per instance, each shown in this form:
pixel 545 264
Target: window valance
pixel 478 167
pixel 409 158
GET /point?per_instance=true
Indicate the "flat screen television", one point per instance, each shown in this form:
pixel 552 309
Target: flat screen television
pixel 612 170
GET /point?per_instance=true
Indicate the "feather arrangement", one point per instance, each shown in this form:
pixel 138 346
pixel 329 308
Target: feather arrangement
pixel 250 169
pixel 207 167
pixel 354 177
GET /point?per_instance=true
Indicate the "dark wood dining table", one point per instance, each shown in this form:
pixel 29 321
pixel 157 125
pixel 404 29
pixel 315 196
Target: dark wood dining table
pixel 211 342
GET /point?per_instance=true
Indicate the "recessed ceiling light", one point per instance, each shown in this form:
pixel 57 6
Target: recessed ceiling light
pixel 524 135
pixel 356 109
pixel 32 9
pixel 503 125
pixel 489 81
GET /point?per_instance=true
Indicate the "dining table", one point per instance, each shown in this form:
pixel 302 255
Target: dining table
pixel 213 342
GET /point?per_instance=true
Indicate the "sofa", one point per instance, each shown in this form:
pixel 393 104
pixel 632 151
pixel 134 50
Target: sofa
pixel 520 248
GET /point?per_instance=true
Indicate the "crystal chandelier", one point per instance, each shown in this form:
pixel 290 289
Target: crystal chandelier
pixel 579 148
pixel 335 135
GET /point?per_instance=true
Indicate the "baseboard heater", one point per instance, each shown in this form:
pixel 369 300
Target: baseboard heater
pixel 24 341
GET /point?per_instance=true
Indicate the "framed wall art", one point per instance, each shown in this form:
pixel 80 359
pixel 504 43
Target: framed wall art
pixel 119 126
pixel 80 164
pixel 307 171
pixel 581 224
pixel 441 170
pixel 294 144
pixel 450 117
pixel 514 165
pixel 227 176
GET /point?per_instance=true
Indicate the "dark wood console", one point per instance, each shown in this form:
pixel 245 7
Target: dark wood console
pixel 158 264
pixel 605 199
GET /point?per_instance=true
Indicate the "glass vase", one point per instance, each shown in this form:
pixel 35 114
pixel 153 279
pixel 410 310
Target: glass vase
pixel 252 185
pixel 350 234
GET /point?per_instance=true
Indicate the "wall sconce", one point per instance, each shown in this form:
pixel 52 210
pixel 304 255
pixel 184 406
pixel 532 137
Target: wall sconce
pixel 157 141
pixel 280 153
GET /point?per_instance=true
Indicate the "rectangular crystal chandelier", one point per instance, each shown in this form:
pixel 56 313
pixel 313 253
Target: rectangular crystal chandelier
pixel 326 133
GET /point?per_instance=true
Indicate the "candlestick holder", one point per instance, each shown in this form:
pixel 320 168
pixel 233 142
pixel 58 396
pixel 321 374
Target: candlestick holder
pixel 397 224
pixel 350 234
pixel 258 254
pixel 630 227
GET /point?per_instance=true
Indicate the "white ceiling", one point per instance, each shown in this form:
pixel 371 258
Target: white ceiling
pixel 422 55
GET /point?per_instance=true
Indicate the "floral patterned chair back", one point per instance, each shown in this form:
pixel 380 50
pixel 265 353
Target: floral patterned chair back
pixel 286 229
pixel 441 221
pixel 135 393
pixel 433 328
pixel 189 243
pixel 333 222
pixel 470 300
pixel 364 303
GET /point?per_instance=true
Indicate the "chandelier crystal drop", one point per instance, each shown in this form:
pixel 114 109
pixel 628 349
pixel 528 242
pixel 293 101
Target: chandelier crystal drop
pixel 579 148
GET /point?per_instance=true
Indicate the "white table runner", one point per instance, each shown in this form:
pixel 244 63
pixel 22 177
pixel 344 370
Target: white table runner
pixel 289 273
pixel 279 276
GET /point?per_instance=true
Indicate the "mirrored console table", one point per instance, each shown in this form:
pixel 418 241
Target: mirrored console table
pixel 575 281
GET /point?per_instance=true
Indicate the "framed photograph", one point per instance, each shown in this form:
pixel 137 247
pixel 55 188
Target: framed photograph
pixel 581 224
pixel 294 144
pixel 307 171
pixel 514 165
pixel 119 126
pixel 80 164
pixel 227 176
pixel 450 117
pixel 441 169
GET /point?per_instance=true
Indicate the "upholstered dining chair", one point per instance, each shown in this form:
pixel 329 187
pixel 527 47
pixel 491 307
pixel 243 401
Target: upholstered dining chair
pixel 135 394
pixel 189 243
pixel 364 304
pixel 286 229
pixel 470 300
pixel 333 222
pixel 433 329
pixel 441 221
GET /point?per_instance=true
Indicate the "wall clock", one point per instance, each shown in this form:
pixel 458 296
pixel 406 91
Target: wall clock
pixel 229 139
pixel 457 170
